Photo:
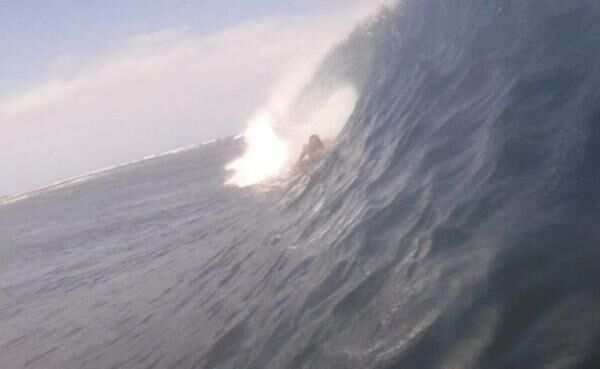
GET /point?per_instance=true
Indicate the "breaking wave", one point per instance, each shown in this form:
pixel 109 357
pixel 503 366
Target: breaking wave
pixel 453 224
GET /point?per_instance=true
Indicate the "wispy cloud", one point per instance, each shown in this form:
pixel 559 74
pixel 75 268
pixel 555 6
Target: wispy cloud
pixel 246 50
pixel 151 93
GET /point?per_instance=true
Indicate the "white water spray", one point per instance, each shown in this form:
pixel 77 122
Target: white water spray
pixel 275 135
pixel 265 156
pixel 273 145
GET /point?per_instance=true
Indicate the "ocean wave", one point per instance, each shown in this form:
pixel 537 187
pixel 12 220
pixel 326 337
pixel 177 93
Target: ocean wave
pixel 453 224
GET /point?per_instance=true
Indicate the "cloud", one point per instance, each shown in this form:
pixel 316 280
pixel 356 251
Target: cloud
pixel 246 50
pixel 152 93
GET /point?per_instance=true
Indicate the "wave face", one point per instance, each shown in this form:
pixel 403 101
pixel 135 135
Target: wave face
pixel 453 225
pixel 475 145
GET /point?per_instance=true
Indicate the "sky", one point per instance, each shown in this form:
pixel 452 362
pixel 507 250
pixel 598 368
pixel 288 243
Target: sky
pixel 91 84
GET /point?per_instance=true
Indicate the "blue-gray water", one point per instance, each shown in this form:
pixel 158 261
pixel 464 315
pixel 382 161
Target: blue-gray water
pixel 455 224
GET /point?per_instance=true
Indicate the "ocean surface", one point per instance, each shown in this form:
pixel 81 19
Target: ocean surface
pixel 454 224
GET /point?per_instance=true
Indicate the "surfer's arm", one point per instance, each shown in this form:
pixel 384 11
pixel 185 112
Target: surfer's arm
pixel 303 154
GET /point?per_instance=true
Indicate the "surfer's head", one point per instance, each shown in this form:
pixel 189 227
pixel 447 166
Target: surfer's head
pixel 315 141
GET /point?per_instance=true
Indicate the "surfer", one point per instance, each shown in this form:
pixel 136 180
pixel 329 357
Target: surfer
pixel 313 149
pixel 310 152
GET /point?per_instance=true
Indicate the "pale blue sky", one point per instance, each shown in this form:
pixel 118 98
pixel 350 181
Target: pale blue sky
pixel 33 33
pixel 88 84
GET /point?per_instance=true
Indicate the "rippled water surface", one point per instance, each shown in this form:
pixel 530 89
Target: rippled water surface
pixel 453 225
